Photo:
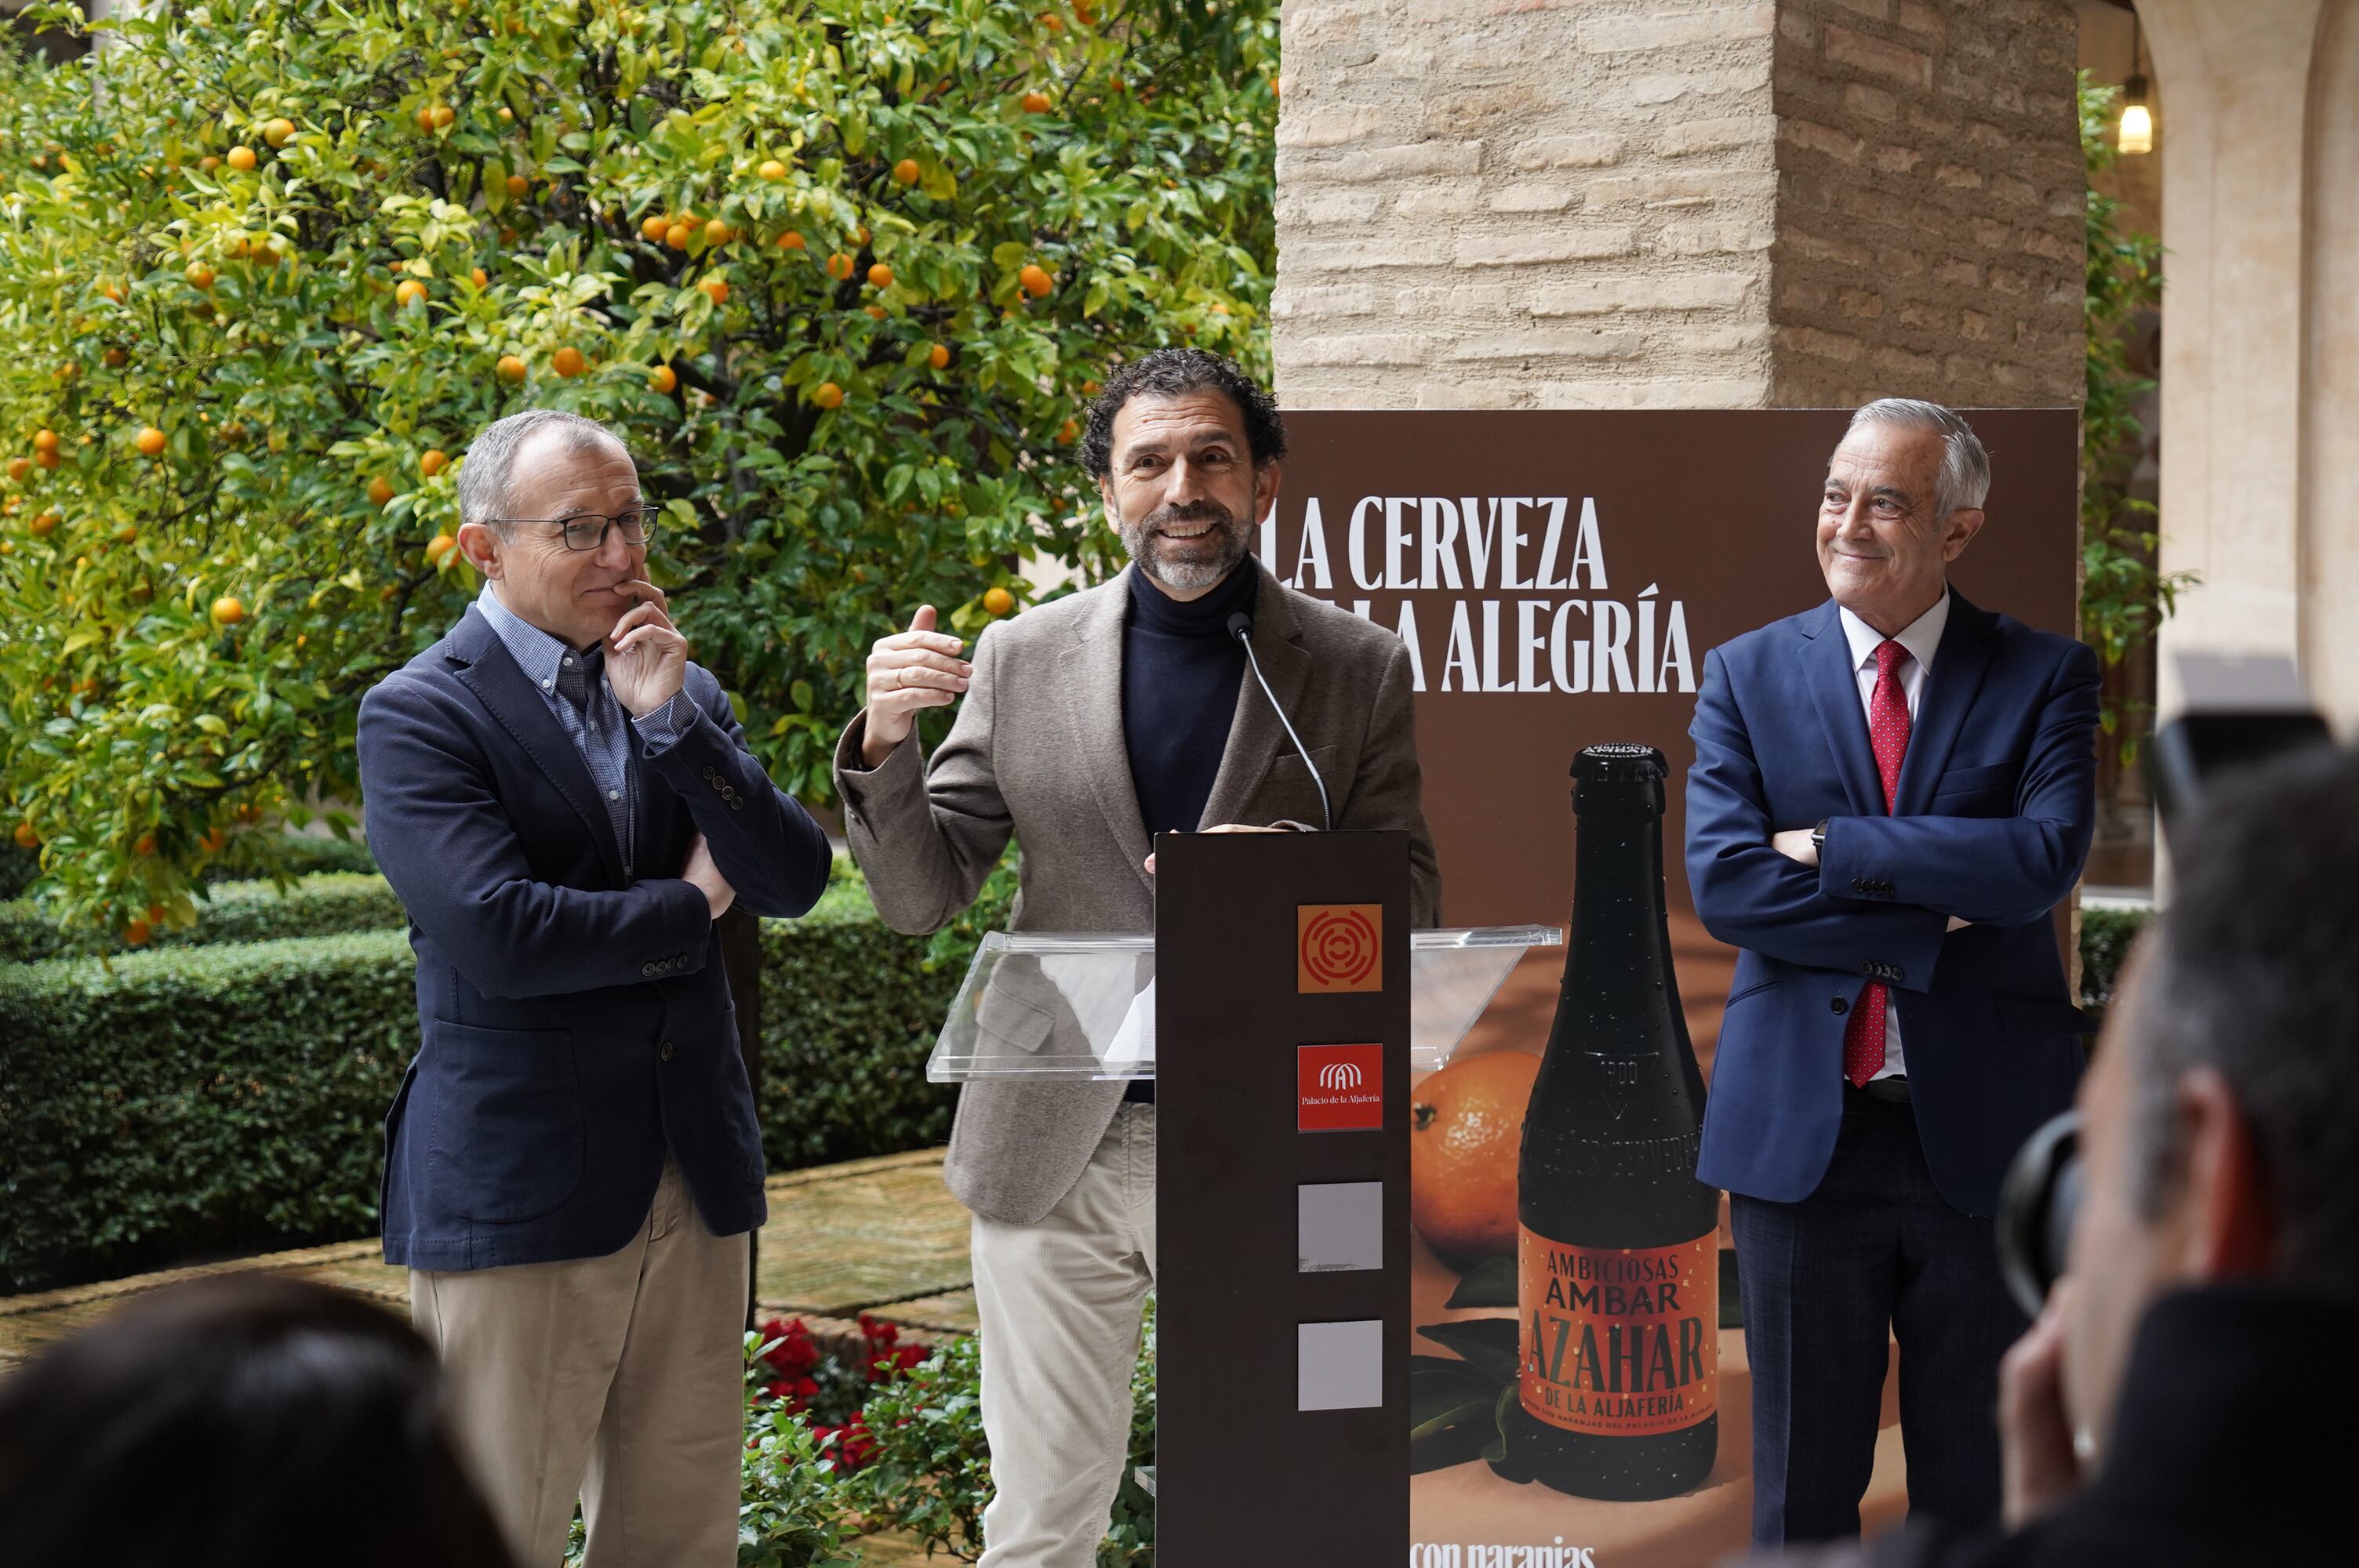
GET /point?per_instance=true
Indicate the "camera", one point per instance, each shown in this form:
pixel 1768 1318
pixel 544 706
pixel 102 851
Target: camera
pixel 2037 1203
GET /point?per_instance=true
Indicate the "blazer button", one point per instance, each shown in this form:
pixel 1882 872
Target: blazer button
pixel 1858 884
pixel 663 1051
pixel 735 804
pixel 708 773
pixel 1838 1007
pixel 1898 973
pixel 646 969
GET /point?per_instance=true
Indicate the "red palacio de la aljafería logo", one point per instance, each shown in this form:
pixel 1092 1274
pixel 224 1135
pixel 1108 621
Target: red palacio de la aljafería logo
pixel 1339 948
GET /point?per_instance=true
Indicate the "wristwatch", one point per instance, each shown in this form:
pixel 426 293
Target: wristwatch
pixel 1818 837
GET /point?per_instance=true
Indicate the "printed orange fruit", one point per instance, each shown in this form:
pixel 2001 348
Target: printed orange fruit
pixel 1465 1129
pixel 827 395
pixel 511 369
pixel 150 441
pixel 431 462
pixel 568 361
pixel 241 158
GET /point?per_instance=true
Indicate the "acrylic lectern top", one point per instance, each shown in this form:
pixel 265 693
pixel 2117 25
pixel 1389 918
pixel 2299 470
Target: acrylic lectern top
pixel 1045 1005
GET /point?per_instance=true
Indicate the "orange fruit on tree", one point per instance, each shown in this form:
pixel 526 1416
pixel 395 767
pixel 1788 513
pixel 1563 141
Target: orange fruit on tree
pixel 791 240
pixel 839 265
pixel 199 275
pixel 663 379
pixel 827 395
pixel 150 441
pixel 568 361
pixel 1036 279
pixel 998 601
pixel 875 310
pixel 45 440
pixel 906 171
pixel 880 277
pixel 156 914
pixel 27 838
pixel 213 841
pixel 939 356
pixel 380 489
pixel 112 290
pixel 1036 102
pixel 136 934
pixel 716 289
pixel 431 460
pixel 280 132
pixel 19 467
pixel 44 524
pixel 439 546
pixel 247 812
pixel 772 169
pixel 511 369
pixel 209 163
pixel 114 359
pixel 407 289
pixel 443 115
pixel 1069 432
pixel 479 278
pixel 228 611
pixel 675 236
pixel 241 158
pixel 144 845
pixel 860 235
pixel 717 232
pixel 652 227
pixel 518 185
pixel 47 460
pixel 1465 1129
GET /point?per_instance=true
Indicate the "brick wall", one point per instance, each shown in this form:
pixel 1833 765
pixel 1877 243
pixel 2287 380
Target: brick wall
pixel 1930 202
pixel 1504 204
pixel 1676 203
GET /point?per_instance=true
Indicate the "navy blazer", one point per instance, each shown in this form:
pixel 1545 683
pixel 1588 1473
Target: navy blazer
pixel 570 1027
pixel 1996 803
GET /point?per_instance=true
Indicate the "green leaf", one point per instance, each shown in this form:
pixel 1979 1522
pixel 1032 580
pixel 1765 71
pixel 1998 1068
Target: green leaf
pixel 1490 1284
pixel 1487 1344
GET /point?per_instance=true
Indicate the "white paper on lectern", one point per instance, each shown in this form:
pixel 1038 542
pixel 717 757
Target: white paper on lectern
pixel 1133 1043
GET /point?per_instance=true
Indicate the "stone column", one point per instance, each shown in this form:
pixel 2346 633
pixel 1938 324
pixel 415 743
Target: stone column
pixel 1677 203
pixel 2259 146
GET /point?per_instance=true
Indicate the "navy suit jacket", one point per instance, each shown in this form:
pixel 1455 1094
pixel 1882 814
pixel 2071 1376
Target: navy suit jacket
pixel 571 1027
pixel 1996 807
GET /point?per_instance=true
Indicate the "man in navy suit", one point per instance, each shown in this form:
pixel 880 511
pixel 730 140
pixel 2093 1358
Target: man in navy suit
pixel 1891 795
pixel 565 806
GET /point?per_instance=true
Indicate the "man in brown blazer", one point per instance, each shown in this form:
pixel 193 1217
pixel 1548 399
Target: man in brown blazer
pixel 1092 723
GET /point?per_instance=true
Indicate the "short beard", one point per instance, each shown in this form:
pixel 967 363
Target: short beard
pixel 1187 577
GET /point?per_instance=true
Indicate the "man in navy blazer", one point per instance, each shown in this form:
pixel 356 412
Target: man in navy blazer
pixel 565 806
pixel 1891 795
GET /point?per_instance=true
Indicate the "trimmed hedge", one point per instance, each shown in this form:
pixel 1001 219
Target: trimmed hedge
pixel 326 903
pixel 2106 938
pixel 216 1100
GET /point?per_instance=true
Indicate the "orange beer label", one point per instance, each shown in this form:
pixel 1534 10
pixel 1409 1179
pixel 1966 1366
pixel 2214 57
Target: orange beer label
pixel 1619 1341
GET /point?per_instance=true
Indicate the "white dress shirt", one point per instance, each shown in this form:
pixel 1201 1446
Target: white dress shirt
pixel 1922 638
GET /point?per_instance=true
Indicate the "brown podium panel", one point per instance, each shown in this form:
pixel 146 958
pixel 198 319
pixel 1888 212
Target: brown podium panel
pixel 1268 944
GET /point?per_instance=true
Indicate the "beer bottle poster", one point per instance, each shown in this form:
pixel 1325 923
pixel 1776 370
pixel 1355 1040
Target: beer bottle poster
pixel 1559 576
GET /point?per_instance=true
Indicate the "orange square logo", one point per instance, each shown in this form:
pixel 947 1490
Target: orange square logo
pixel 1339 948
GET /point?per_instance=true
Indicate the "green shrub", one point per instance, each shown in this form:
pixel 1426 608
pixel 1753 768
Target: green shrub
pixel 262 855
pixel 326 903
pixel 213 1100
pixel 18 868
pixel 2106 938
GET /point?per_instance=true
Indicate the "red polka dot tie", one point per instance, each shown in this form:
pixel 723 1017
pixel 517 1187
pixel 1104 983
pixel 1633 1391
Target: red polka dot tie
pixel 1888 728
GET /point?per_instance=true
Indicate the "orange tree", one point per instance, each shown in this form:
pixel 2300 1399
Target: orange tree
pixel 843 271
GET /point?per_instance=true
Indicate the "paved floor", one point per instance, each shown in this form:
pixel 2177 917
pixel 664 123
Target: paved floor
pixel 878 1236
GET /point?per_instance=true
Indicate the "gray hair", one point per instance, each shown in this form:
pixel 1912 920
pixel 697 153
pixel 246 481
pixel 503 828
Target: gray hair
pixel 488 469
pixel 1965 467
pixel 2248 972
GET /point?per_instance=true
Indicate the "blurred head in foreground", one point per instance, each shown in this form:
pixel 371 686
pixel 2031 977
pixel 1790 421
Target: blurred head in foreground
pixel 2221 1112
pixel 241 1421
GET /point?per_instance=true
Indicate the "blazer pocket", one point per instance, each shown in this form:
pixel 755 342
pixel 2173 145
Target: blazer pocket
pixel 2021 1014
pixel 1287 792
pixel 1005 1017
pixel 507 1121
pixel 1755 989
pixel 1974 780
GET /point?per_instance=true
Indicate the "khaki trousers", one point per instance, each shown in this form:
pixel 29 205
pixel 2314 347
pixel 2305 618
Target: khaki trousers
pixel 1060 1304
pixel 619 1379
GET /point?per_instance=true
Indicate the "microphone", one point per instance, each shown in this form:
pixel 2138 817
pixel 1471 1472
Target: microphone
pixel 1241 628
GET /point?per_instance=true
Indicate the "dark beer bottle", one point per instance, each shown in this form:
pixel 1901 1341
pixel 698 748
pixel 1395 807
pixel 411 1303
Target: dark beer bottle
pixel 1617 1250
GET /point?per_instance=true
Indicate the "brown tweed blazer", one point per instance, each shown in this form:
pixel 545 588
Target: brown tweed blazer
pixel 1036 750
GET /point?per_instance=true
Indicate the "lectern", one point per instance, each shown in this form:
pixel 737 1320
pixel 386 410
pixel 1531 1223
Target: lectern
pixel 1281 1006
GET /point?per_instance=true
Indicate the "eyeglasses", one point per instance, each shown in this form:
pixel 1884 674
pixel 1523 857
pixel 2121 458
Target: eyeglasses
pixel 587 530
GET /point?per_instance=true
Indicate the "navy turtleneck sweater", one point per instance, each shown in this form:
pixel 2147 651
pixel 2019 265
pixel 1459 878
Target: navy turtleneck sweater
pixel 1180 671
